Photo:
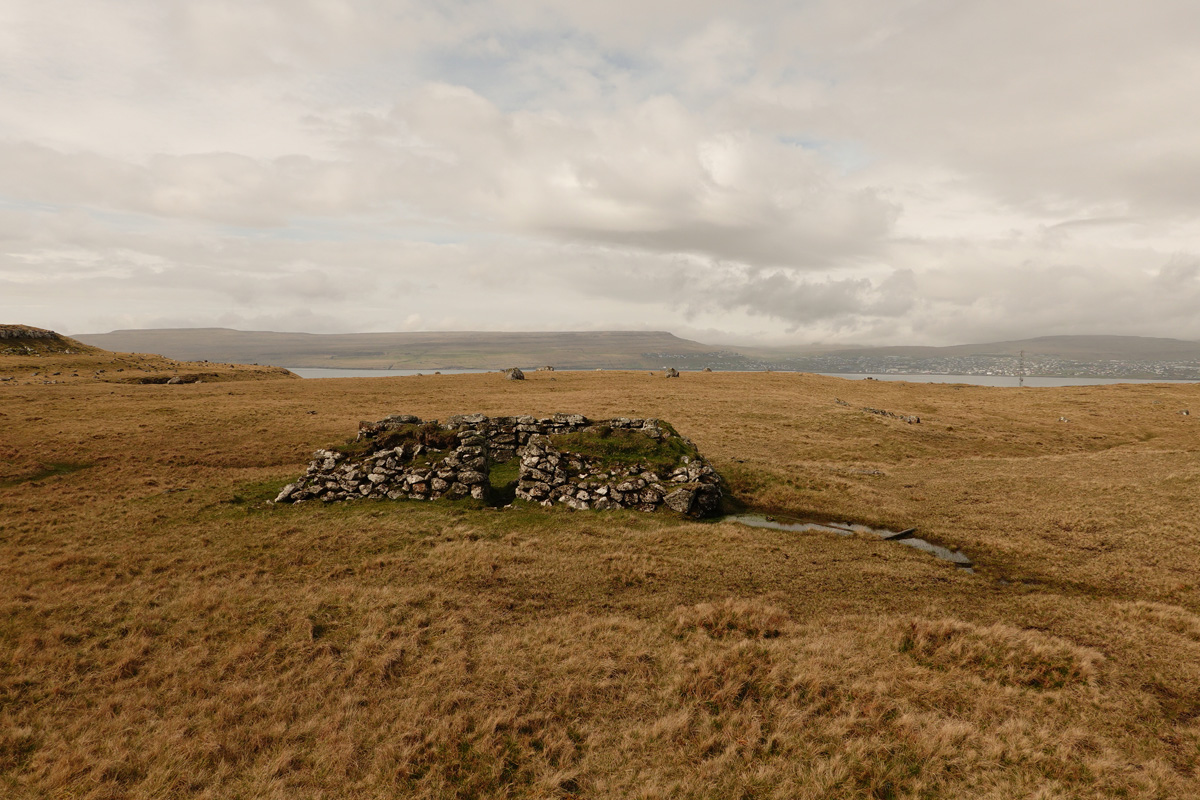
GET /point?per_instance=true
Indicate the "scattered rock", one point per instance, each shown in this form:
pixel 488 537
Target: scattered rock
pixel 671 373
pixel 911 420
pixel 514 374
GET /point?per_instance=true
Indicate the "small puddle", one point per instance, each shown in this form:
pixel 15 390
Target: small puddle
pixel 902 537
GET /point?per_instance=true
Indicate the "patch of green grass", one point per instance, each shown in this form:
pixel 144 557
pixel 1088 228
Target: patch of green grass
pixel 428 434
pixel 621 447
pixel 255 496
pixel 502 478
pixel 47 471
pixel 504 473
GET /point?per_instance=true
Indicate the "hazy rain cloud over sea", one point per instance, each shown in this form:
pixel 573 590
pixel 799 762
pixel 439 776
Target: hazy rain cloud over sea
pixel 865 171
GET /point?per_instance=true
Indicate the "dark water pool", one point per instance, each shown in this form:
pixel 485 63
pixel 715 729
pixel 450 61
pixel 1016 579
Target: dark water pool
pixel 901 537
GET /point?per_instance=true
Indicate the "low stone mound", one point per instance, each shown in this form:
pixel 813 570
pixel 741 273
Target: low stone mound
pixel 566 458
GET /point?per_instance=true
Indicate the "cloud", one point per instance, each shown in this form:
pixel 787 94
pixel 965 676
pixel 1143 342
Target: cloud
pixel 856 170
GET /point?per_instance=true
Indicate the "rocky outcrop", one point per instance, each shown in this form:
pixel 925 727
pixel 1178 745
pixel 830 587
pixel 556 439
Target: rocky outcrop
pixel 25 332
pixel 403 456
pixel 21 340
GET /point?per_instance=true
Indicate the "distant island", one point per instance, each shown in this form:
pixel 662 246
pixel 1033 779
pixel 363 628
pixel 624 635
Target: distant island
pixel 1047 356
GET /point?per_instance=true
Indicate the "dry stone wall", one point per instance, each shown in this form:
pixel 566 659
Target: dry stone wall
pixel 549 475
pixel 452 460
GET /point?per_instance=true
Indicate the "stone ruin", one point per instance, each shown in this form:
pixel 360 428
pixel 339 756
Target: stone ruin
pixel 404 457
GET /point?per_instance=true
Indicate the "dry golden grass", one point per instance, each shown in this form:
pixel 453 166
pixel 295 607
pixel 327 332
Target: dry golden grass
pixel 90 364
pixel 165 632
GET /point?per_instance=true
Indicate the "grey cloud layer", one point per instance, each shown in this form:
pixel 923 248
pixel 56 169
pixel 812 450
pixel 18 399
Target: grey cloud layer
pixel 858 170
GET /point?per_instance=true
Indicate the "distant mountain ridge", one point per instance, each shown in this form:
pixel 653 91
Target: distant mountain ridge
pixel 618 350
pixel 410 350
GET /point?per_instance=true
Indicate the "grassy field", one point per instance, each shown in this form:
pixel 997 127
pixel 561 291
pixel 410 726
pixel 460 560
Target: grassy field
pixel 92 365
pixel 166 632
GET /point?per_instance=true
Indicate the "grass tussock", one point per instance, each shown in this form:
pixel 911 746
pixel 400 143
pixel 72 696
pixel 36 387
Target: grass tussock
pixel 732 617
pixel 166 632
pixel 1000 653
pixel 1170 618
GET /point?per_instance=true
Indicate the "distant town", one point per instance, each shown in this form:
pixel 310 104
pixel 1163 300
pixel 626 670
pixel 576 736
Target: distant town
pixel 1000 365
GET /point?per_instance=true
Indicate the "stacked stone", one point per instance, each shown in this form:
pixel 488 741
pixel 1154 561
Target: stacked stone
pixel 548 475
pixel 395 473
pixel 504 436
pixel 911 420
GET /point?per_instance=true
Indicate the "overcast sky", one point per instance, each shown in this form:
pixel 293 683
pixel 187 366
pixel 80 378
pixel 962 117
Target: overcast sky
pixel 868 171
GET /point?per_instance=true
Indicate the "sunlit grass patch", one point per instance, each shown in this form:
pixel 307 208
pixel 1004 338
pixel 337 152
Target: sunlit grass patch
pixel 1177 620
pixel 732 617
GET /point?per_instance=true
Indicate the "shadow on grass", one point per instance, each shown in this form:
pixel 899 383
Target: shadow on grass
pixel 50 470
